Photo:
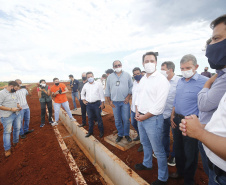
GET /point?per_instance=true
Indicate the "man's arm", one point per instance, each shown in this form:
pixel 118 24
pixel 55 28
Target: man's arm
pixel 65 90
pixel 192 127
pixel 173 124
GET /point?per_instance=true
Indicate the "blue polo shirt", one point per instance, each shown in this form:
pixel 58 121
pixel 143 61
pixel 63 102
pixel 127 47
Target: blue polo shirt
pixel 186 99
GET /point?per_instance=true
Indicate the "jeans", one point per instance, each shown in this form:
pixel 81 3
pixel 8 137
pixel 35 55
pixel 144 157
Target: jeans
pixel 93 111
pixel 83 110
pixel 186 154
pixel 166 138
pixel 122 115
pixel 57 109
pixel 204 158
pixel 74 95
pixel 134 121
pixel 215 179
pixel 151 138
pixel 9 122
pixel 43 111
pixel 25 117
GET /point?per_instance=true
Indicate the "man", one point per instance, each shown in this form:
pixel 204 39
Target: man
pixel 137 76
pixel 185 103
pixel 83 106
pixel 167 69
pixel 109 71
pixel 118 93
pixel 92 96
pixel 25 112
pixel 74 90
pixel 150 105
pixel 10 115
pixel 206 73
pixel 59 91
pixel 213 137
pixel 102 81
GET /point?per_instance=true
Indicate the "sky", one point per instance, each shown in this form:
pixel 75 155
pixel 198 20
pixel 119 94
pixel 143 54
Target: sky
pixel 43 39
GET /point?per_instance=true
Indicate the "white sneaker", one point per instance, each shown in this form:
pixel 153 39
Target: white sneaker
pixel 73 119
pixel 54 124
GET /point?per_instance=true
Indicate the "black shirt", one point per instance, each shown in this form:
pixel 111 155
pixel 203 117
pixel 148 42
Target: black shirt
pixel 75 84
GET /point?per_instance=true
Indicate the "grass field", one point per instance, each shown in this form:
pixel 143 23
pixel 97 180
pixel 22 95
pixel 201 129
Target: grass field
pixel 3 83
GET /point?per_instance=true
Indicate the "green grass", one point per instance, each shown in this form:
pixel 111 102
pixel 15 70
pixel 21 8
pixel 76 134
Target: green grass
pixel 3 84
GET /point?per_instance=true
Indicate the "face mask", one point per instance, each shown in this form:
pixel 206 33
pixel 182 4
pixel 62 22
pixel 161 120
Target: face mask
pixel 118 70
pixel 205 70
pixel 149 67
pixel 187 74
pixel 13 90
pixel 84 78
pixel 43 85
pixel 138 77
pixel 164 73
pixel 216 54
pixel 57 84
pixel 90 80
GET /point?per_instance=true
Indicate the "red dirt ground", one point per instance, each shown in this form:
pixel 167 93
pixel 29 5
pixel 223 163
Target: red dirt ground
pixel 38 159
pixel 131 156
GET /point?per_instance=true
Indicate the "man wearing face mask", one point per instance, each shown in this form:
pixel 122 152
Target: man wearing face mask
pixel 92 96
pixel 150 104
pixel 74 90
pixel 118 93
pixel 206 73
pixel 185 103
pixel 137 77
pixel 83 106
pixel 59 91
pixel 167 69
pixel 10 115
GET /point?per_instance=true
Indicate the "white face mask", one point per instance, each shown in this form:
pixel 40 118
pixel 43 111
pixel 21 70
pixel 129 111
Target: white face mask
pixel 187 74
pixel 149 67
pixel 164 73
pixel 118 70
pixel 43 85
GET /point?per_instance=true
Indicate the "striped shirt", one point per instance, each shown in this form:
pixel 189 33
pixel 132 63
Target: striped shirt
pixel 21 96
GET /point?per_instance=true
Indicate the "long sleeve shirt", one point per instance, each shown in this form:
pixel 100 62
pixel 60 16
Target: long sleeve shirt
pixel 92 92
pixel 119 87
pixel 153 92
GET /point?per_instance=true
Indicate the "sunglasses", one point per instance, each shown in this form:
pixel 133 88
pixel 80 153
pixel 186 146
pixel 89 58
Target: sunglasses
pixel 116 66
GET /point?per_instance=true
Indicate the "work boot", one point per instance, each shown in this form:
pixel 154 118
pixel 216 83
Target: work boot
pixel 137 138
pixel 82 125
pixel 29 131
pixel 118 139
pixel 23 136
pixel 89 134
pixel 7 153
pixel 140 166
pixel 128 139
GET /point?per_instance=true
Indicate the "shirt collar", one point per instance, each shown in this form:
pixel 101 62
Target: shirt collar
pixel 153 74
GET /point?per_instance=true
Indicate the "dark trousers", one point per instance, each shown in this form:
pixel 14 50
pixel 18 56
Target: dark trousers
pixel 186 154
pixel 43 111
pixel 93 111
pixel 204 158
pixel 83 110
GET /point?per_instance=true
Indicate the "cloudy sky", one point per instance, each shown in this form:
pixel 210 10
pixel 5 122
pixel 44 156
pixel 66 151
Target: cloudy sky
pixel 47 39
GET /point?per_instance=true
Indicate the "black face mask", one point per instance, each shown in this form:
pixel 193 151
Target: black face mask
pixel 57 84
pixel 84 78
pixel 13 90
pixel 205 70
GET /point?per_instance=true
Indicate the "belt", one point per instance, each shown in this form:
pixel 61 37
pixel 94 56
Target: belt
pixel 94 102
pixel 216 169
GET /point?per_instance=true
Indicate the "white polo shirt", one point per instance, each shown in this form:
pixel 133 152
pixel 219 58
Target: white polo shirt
pixel 153 92
pixel 217 125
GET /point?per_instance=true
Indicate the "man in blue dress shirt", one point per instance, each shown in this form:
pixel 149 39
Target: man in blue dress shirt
pixel 185 103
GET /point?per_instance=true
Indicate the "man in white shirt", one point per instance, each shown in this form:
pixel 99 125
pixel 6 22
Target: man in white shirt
pixel 150 103
pixel 137 77
pixel 92 96
pixel 25 112
pixel 167 69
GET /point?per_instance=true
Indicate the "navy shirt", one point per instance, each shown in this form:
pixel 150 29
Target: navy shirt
pixel 186 99
pixel 75 85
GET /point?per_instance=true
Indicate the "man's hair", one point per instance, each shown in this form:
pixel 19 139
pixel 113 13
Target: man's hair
pixel 13 83
pixel 89 73
pixel 169 65
pixel 42 80
pixel 109 71
pixel 136 69
pixel 55 79
pixel 71 76
pixel 116 61
pixel 219 20
pixel 187 58
pixel 104 76
pixel 207 67
pixel 143 71
pixel 84 73
pixel 155 54
pixel 18 80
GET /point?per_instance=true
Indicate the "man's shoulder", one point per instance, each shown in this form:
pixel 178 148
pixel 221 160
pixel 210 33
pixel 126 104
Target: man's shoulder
pixel 202 78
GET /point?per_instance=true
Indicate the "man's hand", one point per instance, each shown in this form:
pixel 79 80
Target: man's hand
pixel 209 82
pixel 126 101
pixel 102 106
pixel 173 124
pixel 57 92
pixel 85 102
pixel 14 109
pixel 111 104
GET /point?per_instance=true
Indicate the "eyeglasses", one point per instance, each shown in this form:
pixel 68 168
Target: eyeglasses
pixel 116 66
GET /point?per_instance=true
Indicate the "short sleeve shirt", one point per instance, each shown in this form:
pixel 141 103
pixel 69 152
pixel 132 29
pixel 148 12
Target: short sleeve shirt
pixel 60 98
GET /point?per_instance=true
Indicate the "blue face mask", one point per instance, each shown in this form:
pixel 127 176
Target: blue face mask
pixel 216 54
pixel 138 77
pixel 90 80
